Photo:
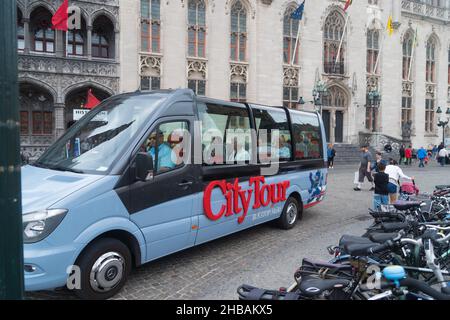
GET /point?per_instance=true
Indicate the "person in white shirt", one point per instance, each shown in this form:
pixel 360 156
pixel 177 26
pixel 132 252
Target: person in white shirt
pixel 239 154
pixel 395 174
pixel 443 154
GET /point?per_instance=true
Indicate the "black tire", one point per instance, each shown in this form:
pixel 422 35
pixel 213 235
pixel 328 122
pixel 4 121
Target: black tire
pixel 287 220
pixel 117 264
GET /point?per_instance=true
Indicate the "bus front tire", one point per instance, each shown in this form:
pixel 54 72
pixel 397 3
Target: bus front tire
pixel 105 266
pixel 291 214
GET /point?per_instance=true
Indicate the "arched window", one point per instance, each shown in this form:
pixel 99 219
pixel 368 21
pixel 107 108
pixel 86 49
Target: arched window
pixel 407 55
pixel 290 32
pixel 333 33
pixel 20 31
pixel 41 30
pixel 196 28
pixel 102 38
pixel 238 42
pixel 36 111
pixel 76 41
pixel 431 61
pixel 373 48
pixel 151 26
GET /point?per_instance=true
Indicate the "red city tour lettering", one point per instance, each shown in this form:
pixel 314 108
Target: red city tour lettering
pixel 238 201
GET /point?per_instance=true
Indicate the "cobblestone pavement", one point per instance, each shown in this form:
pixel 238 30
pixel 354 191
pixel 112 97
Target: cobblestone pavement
pixel 263 256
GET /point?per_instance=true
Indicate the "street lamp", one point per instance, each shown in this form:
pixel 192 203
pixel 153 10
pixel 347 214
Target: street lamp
pixel 374 101
pixel 442 122
pixel 319 92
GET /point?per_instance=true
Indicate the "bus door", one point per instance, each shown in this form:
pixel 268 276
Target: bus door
pixel 163 205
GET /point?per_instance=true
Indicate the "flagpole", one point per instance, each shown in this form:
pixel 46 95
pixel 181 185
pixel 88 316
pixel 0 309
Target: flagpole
pixel 342 40
pixel 67 43
pixel 412 55
pixel 379 54
pixel 296 43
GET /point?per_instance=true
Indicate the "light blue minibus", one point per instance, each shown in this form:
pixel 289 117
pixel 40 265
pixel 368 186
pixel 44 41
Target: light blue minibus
pixel 147 174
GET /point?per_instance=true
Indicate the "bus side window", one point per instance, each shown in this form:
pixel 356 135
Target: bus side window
pixel 226 134
pixel 307 136
pixel 267 121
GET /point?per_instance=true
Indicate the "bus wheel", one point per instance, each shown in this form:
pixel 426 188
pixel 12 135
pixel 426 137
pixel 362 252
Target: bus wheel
pixel 291 213
pixel 105 266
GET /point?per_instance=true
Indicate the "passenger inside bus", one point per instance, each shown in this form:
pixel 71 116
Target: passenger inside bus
pixel 239 152
pixel 165 162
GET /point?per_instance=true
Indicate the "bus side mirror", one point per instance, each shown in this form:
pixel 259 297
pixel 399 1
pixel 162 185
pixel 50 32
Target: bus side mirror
pixel 144 166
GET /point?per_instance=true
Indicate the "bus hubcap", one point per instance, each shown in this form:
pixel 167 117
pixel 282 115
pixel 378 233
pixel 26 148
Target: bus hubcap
pixel 107 272
pixel 292 213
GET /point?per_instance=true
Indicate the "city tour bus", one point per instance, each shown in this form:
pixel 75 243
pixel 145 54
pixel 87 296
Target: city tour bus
pixel 147 174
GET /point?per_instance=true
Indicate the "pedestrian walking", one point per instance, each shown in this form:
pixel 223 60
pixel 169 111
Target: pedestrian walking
pixel 381 179
pixel 421 155
pixel 435 151
pixel 442 156
pixel 395 174
pixel 364 168
pixel 408 155
pixel 401 151
pixel 331 152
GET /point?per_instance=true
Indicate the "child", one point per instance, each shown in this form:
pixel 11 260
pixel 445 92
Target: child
pixel 381 195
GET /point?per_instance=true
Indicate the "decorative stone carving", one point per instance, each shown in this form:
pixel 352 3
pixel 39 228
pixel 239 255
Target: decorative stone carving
pixel 290 77
pixel 247 5
pixel 150 66
pixel 196 69
pixel 373 83
pixel 430 89
pixel 239 72
pixel 425 10
pixel 407 87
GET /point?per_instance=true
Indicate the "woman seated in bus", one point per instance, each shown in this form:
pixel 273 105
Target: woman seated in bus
pixel 239 154
pixel 284 152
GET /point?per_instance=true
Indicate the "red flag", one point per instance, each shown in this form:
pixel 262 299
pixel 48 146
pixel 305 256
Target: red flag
pixel 92 101
pixel 61 17
pixel 347 4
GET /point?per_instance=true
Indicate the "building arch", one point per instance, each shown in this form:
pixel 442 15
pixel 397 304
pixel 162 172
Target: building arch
pixel 103 12
pixel 335 111
pixel 39 83
pixel 249 7
pixel 39 3
pixel 75 97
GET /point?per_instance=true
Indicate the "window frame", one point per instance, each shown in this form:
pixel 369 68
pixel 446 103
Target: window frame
pixel 240 36
pixel 155 128
pixel 152 21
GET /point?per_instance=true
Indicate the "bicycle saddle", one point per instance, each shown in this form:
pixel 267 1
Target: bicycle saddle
pixel 406 205
pixel 312 287
pixel 349 239
pixel 382 237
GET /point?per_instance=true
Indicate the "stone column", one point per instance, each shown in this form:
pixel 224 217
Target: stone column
pixel 117 46
pixel 60 41
pixel 27 36
pixel 60 125
pixel 332 125
pixel 89 42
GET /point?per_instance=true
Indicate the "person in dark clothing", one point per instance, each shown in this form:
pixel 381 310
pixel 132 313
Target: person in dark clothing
pixel 401 151
pixel 364 170
pixel 381 194
pixel 331 153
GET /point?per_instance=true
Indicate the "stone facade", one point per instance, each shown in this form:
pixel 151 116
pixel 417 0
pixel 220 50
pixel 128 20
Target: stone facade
pixel 56 76
pixel 265 73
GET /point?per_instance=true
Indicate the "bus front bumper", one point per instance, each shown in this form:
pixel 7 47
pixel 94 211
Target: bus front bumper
pixel 46 266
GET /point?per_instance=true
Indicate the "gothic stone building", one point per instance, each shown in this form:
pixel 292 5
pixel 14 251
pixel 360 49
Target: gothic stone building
pixel 55 74
pixel 243 50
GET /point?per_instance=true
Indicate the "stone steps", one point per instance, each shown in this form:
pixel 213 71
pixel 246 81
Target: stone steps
pixel 348 153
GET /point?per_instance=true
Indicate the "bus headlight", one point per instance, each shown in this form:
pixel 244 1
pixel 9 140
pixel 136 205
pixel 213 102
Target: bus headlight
pixel 38 225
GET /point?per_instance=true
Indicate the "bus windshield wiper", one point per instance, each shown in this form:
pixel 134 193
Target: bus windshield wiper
pixel 62 168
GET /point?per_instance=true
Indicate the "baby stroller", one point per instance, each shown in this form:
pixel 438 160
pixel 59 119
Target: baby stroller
pixel 408 189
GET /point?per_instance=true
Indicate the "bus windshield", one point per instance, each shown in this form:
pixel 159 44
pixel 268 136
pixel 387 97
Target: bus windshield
pixel 93 143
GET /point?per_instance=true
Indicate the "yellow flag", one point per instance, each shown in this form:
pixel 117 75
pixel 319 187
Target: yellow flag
pixel 390 27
